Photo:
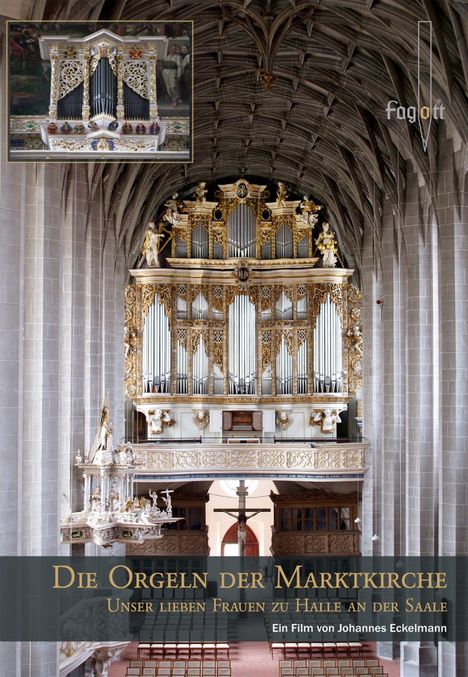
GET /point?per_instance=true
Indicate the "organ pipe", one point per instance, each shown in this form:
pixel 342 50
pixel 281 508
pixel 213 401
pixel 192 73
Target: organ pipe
pixel 200 369
pixel 284 373
pixel 182 386
pixel 241 232
pixel 302 368
pixel 156 351
pixel 328 347
pixel 103 86
pixel 242 348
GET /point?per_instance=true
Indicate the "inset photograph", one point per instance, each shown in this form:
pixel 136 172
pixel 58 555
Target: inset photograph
pixel 80 91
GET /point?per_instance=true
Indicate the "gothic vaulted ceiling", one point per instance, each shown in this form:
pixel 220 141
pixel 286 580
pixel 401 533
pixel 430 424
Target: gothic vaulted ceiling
pixel 297 90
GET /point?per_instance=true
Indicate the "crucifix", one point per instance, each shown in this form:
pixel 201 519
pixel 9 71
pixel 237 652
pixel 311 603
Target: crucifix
pixel 241 515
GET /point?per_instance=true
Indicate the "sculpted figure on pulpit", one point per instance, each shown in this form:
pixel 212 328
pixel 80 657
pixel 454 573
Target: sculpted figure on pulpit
pixel 102 449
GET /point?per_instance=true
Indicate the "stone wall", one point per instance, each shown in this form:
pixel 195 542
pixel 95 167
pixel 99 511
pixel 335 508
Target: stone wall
pixel 415 380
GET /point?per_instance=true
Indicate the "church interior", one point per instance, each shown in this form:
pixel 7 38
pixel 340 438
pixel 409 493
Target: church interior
pixel 260 352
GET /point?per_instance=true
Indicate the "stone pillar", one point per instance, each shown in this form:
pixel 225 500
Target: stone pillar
pixel 453 470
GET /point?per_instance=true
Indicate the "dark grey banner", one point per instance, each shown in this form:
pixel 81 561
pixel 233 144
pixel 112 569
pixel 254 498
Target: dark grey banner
pixel 213 599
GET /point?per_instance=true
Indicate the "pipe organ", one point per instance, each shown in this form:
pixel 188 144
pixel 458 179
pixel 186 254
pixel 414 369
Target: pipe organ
pixel 222 324
pixel 104 98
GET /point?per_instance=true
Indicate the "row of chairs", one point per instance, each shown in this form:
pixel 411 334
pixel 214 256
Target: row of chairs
pixel 333 672
pixel 331 662
pixel 332 668
pixel 150 668
pixel 318 648
pixel 201 649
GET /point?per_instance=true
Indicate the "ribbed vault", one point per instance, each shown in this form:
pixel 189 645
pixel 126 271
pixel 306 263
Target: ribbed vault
pixel 322 126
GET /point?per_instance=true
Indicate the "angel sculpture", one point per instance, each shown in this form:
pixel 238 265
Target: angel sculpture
pixel 309 211
pixel 201 192
pixel 355 335
pixel 150 249
pixel 326 244
pixel 326 419
pixel 157 419
pixel 281 195
pixel 171 215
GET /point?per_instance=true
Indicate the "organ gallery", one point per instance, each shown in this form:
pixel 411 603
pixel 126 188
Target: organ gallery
pixel 245 323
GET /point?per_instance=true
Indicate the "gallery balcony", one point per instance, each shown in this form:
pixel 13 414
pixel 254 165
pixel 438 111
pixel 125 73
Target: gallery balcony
pixel 329 460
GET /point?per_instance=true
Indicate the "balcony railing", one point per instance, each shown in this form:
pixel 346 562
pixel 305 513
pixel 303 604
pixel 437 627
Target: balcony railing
pixel 330 459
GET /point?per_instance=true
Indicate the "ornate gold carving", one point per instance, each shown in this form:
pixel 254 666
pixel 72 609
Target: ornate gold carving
pixel 218 348
pixel 135 75
pixel 266 348
pixel 196 334
pixel 182 337
pixel 132 339
pixel 319 294
pixel 71 75
pixel 164 292
pixel 353 339
pixel 199 219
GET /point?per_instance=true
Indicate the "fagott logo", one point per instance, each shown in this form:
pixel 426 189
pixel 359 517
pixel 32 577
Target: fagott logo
pixel 423 112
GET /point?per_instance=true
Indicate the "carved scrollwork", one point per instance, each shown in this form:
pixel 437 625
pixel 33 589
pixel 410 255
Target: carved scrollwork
pixel 353 339
pixel 218 347
pixel 164 292
pixel 135 75
pixel 319 295
pixel 132 339
pixel 266 348
pixel 71 75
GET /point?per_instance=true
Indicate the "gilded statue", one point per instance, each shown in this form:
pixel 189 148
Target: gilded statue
pixel 151 246
pixel 327 246
pixel 281 194
pixel 309 211
pixel 200 192
pixel 173 207
pixel 326 419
